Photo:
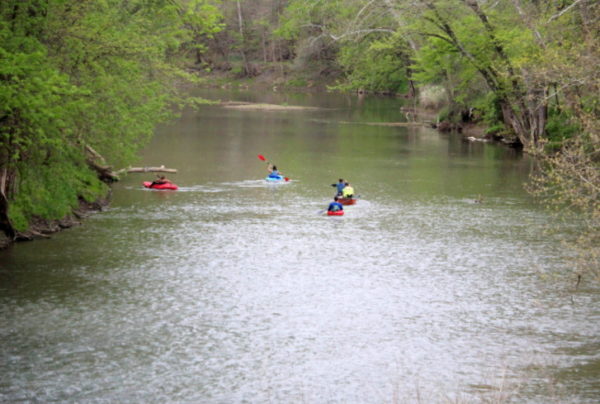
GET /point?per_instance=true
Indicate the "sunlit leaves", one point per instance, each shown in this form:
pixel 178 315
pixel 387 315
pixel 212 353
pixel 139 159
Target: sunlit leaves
pixel 387 75
pixel 76 73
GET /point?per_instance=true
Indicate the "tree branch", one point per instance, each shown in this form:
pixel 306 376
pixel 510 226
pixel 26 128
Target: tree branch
pixel 554 17
pixel 361 31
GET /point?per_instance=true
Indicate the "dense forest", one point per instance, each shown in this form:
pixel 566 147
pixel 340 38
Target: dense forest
pixel 84 83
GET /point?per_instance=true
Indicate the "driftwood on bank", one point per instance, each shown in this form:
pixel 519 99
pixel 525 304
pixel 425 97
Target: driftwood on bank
pixel 161 169
pixel 106 173
pixel 97 162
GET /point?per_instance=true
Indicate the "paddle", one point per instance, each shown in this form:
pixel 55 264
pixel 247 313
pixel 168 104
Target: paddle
pixel 261 157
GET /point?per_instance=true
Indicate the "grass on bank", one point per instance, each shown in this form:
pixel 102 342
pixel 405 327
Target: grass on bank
pixel 53 193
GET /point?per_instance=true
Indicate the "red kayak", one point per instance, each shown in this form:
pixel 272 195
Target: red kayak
pixel 347 201
pixel 335 213
pixel 166 185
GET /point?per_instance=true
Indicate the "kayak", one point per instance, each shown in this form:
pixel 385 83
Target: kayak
pixel 167 185
pixel 347 201
pixel 275 178
pixel 335 213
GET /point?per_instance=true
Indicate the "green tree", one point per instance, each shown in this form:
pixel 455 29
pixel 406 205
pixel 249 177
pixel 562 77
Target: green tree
pixel 78 75
pixel 389 75
pixel 203 19
pixel 354 38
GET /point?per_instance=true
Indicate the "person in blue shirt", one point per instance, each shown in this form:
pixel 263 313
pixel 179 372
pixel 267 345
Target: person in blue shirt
pixel 335 206
pixel 339 186
pixel 274 173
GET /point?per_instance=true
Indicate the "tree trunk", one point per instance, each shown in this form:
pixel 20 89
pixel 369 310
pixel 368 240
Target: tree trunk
pixel 264 47
pixel 97 162
pixel 5 225
pixel 243 39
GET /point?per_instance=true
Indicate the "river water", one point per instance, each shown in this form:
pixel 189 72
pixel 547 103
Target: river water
pixel 235 290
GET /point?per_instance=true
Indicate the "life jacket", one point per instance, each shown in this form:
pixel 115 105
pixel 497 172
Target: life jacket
pixel 348 192
pixel 335 206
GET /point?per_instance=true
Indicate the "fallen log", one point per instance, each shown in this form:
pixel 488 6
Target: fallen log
pixel 97 162
pixel 161 169
pixel 105 173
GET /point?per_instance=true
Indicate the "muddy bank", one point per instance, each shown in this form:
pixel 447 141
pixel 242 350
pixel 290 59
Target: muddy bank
pixel 475 132
pixel 42 228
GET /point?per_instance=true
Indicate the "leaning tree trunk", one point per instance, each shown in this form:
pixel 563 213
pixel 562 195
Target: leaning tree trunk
pixel 5 224
pixel 527 115
pixel 98 164
pixel 243 39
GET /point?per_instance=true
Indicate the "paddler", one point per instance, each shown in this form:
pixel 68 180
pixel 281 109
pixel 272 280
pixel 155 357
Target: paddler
pixel 160 179
pixel 335 206
pixel 339 186
pixel 348 191
pixel 274 173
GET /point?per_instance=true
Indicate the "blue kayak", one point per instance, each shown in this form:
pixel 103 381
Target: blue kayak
pixel 275 178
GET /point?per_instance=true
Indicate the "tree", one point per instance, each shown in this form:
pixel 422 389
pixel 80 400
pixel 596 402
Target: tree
pixel 568 177
pixel 248 45
pixel 348 36
pixel 75 75
pixel 203 19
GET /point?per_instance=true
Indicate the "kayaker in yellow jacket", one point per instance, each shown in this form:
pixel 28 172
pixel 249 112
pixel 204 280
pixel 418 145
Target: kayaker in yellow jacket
pixel 348 191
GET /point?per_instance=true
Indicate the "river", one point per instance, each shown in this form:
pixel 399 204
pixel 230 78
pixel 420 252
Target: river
pixel 234 290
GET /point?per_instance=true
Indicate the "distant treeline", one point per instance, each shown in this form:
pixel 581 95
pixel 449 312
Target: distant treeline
pixel 525 68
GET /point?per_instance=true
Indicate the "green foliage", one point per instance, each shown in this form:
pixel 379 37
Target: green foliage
pixel 237 70
pixel 434 60
pixel 568 184
pixel 444 114
pixel 297 82
pixel 560 127
pixel 388 75
pixel 495 130
pixel 53 191
pixel 442 60
pixel 73 73
pixel 202 20
pixel 301 18
pixel 489 110
pixel 36 118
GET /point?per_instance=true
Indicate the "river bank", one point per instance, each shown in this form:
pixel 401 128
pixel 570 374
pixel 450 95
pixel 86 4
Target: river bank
pixel 41 228
pixel 283 79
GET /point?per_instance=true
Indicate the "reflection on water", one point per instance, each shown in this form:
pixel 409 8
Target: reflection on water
pixel 235 290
